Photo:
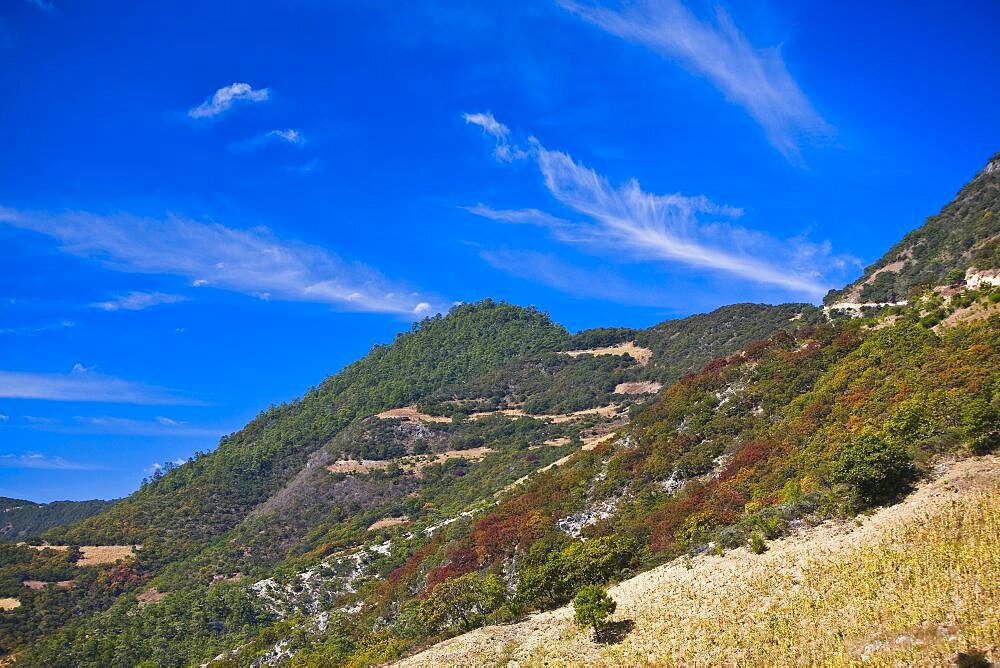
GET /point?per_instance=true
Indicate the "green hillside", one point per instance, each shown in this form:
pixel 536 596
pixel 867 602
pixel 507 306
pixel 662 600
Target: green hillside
pixel 489 463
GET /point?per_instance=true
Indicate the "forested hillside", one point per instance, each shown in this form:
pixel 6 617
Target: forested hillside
pixel 22 520
pixel 488 464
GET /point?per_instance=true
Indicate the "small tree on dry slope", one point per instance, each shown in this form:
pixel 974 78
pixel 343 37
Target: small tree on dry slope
pixel 592 607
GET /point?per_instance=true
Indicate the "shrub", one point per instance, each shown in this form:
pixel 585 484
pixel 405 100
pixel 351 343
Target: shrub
pixel 981 426
pixel 592 607
pixel 757 544
pixel 876 469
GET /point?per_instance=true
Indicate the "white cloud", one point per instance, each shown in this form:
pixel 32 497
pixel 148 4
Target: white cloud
pixel 137 300
pixel 290 135
pixel 756 79
pixel 37 329
pixel 34 419
pixel 224 98
pixel 161 426
pixel 251 261
pixel 503 151
pixel 36 460
pixel 690 230
pixel 286 136
pixel 82 385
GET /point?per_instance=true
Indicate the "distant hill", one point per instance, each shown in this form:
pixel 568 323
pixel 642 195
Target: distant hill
pixel 22 520
pixel 964 235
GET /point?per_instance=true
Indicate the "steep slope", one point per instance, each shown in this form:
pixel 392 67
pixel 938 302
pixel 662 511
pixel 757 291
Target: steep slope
pixel 21 520
pixel 964 235
pixel 904 586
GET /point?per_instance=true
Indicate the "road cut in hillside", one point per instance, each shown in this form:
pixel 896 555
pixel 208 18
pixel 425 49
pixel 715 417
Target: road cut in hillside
pixel 913 584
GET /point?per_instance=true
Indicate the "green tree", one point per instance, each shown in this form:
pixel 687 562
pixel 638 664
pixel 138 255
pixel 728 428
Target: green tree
pixel 878 470
pixel 981 426
pixel 592 607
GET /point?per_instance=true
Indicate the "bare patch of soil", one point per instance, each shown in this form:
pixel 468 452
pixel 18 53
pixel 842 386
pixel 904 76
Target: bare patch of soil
pixel 412 414
pixel 149 596
pixel 389 522
pixel 640 354
pixel 638 387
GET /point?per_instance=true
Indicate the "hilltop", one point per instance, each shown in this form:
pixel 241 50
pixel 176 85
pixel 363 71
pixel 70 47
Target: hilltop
pixel 959 243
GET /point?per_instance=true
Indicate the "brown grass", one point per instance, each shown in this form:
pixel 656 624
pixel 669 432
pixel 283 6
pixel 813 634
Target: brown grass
pixel 642 355
pixel 389 522
pixel 412 414
pixel 95 555
pixel 357 465
pixel 913 585
pixel 638 387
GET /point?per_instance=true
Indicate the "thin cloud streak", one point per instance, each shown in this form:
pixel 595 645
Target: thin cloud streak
pixel 756 79
pixel 223 100
pixel 252 261
pixel 37 329
pixel 37 460
pixel 137 301
pixel 287 136
pixel 503 151
pixel 83 386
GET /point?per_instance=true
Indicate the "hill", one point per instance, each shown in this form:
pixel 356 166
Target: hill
pixel 487 464
pixel 964 237
pixel 23 520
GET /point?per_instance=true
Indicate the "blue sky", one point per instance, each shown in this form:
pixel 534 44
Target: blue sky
pixel 205 208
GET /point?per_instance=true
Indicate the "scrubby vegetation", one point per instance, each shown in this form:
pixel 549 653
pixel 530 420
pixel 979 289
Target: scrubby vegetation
pixel 770 418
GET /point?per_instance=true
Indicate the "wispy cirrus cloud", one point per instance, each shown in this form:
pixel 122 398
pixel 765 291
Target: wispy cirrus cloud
pixel 37 460
pixel 250 261
pixel 83 384
pixel 137 301
pixel 223 99
pixel 756 79
pixel 110 424
pixel 287 136
pixel 679 229
pixel 38 329
pixel 161 426
pixel 503 151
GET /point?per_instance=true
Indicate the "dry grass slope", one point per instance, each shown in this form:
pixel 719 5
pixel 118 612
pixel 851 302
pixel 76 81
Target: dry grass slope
pixel 912 585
